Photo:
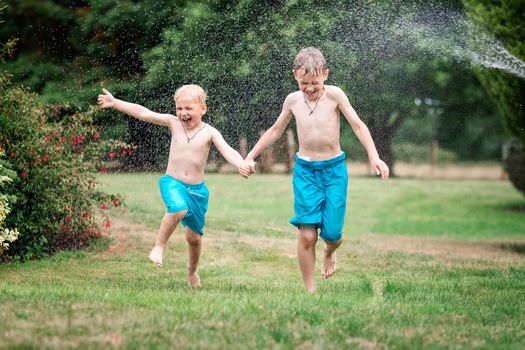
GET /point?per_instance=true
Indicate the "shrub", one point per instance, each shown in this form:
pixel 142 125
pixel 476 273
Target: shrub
pixel 56 153
pixel 514 163
pixel 6 235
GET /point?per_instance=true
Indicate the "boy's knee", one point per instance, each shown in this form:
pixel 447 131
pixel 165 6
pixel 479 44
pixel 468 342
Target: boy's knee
pixel 193 238
pixel 308 238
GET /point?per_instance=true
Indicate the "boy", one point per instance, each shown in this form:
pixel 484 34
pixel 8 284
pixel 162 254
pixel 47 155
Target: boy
pixel 320 176
pixel 182 188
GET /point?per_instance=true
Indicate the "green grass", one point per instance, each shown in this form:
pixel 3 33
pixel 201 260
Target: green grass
pixel 252 295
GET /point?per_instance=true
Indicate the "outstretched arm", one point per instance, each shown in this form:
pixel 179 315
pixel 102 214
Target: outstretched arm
pixel 363 134
pixel 273 133
pixel 232 156
pixel 106 100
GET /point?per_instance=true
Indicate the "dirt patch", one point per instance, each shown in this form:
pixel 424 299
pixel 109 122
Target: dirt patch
pixel 129 236
pixel 126 235
pixel 447 249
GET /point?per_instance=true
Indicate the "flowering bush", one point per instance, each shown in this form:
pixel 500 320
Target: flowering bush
pixel 6 235
pixel 56 154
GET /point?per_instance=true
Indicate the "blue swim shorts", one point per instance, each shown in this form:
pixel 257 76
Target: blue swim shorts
pixel 319 189
pixel 180 196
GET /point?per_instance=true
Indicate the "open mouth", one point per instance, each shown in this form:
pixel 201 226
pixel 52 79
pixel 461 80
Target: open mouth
pixel 311 94
pixel 186 121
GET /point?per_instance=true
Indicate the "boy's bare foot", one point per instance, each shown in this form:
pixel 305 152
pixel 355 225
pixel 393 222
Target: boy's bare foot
pixel 194 281
pixel 329 264
pixel 311 290
pixel 156 255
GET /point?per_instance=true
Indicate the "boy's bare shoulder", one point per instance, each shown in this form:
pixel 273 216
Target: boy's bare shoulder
pixel 333 91
pixel 293 97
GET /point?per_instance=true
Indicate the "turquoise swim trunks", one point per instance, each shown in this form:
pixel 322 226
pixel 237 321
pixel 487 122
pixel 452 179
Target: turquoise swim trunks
pixel 319 189
pixel 180 196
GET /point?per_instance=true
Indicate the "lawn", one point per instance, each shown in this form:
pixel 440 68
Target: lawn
pixel 424 265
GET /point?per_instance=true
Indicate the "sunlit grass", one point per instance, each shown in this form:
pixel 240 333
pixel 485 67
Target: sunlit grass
pixel 252 294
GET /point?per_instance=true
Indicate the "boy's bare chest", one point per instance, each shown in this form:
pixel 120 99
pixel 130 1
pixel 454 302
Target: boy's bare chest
pixel 197 140
pixel 309 115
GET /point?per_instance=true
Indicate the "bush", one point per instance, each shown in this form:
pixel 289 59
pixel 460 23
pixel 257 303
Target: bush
pixel 56 153
pixel 514 163
pixel 6 235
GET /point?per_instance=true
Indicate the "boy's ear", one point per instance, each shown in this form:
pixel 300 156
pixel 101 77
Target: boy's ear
pixel 327 71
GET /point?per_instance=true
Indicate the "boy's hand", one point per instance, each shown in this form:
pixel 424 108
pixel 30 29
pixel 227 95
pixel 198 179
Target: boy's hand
pixel 380 168
pixel 106 100
pixel 247 168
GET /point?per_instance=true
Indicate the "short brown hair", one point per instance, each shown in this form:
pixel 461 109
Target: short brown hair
pixel 192 91
pixel 311 60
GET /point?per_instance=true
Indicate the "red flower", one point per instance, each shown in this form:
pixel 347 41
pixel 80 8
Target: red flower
pixel 47 157
pixel 24 174
pixel 104 207
pixel 111 155
pixel 115 203
pixel 96 136
pixel 103 171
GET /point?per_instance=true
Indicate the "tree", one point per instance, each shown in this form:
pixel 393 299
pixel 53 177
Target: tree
pixel 505 20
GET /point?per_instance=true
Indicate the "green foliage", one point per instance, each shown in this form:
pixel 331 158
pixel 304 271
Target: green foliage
pixel 7 235
pixel 505 20
pixel 241 53
pixel 56 155
pixel 514 163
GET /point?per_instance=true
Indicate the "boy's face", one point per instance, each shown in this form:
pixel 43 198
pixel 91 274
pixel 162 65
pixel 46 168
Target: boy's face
pixel 189 111
pixel 312 85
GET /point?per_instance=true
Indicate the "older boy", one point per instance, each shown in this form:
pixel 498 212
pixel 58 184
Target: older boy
pixel 320 176
pixel 182 188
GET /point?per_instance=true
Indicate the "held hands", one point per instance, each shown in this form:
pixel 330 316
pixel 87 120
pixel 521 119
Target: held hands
pixel 247 168
pixel 380 168
pixel 106 100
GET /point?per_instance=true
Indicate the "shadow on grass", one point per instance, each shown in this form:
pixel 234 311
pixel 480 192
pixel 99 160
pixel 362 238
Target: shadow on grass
pixel 515 207
pixel 514 247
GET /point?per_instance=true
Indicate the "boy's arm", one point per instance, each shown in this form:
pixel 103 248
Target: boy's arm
pixel 232 156
pixel 362 133
pixel 137 111
pixel 273 133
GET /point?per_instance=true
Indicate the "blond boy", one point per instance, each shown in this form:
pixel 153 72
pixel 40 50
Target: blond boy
pixel 320 176
pixel 182 188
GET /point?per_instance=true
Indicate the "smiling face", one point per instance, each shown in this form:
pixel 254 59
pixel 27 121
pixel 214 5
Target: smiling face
pixel 189 111
pixel 311 84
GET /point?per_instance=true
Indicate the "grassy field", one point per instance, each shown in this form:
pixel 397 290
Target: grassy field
pixel 425 265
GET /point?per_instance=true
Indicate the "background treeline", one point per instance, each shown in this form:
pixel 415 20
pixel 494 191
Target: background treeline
pixel 241 52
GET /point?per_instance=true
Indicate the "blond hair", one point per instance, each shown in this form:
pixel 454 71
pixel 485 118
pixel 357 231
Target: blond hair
pixel 191 91
pixel 310 60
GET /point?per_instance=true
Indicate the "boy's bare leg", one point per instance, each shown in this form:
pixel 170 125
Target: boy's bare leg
pixel 167 226
pixel 194 253
pixel 306 255
pixel 330 258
